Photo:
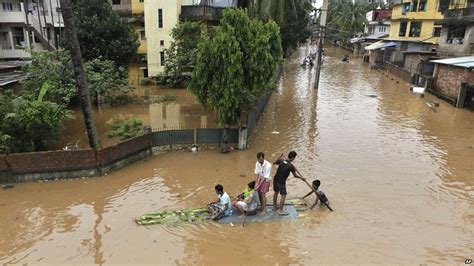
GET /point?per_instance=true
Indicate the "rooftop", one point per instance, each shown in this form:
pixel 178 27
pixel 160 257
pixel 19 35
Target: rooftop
pixel 465 61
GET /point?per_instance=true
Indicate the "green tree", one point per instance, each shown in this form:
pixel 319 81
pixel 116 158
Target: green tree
pixel 102 33
pixel 346 19
pixel 182 53
pixel 55 68
pixel 291 15
pixel 30 125
pixel 236 66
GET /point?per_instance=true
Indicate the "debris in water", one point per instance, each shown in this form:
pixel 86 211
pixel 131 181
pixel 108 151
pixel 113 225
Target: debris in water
pixel 371 95
pixel 243 175
pixel 231 224
pixel 8 186
pixel 431 106
pixel 275 132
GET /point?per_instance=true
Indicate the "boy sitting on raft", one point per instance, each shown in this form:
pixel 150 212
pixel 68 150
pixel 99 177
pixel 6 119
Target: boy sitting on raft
pixel 248 200
pixel 320 195
pixel 222 206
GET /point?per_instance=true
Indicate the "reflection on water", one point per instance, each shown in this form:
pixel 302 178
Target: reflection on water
pixel 399 175
pixel 184 112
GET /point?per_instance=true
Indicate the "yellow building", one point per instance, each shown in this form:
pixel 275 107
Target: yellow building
pixel 138 69
pixel 160 18
pixel 415 20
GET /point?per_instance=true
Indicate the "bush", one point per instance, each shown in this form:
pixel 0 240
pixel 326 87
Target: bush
pixel 125 129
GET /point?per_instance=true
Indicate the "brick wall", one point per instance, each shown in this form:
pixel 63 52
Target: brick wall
pixel 399 72
pixel 52 161
pixel 412 62
pixel 449 78
pixel 123 149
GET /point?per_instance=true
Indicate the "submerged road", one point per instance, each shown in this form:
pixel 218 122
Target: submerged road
pixel 399 175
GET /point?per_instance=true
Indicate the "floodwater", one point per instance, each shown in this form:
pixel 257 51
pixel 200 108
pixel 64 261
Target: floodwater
pixel 182 112
pixel 399 175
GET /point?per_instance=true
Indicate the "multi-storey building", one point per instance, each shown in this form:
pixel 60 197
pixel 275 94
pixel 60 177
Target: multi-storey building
pixel 457 33
pixel 162 15
pixel 415 21
pixel 378 22
pixel 28 25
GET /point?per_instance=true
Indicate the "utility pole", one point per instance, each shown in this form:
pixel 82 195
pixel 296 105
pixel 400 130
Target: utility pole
pixel 322 27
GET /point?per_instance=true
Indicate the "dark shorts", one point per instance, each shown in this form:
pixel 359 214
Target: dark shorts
pixel 279 188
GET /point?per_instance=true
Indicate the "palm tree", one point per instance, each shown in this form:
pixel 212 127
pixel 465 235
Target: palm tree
pixel 78 64
pixel 346 18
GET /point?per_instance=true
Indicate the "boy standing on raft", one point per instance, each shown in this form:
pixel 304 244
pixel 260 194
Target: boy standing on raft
pixel 263 178
pixel 279 181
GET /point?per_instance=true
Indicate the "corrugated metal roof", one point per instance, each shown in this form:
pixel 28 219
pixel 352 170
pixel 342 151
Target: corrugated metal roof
pixel 379 45
pixel 465 61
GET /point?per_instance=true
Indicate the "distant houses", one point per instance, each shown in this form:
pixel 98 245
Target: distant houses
pixel 430 44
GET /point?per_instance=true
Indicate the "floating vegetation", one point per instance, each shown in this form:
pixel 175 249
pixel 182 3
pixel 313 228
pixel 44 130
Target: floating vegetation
pixel 174 217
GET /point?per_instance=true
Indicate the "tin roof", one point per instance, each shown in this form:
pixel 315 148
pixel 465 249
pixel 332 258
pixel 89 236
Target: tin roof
pixel 465 61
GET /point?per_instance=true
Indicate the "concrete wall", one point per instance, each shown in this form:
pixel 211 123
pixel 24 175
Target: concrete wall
pixel 448 79
pixel 464 49
pixel 154 34
pixel 124 9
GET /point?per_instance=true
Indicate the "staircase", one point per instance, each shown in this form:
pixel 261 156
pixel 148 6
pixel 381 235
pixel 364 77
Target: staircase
pixel 35 25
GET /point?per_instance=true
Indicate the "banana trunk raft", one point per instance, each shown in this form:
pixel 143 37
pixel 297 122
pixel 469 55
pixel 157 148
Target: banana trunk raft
pixel 173 217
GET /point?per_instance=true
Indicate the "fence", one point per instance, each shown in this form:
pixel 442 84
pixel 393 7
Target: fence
pixel 89 162
pixel 399 72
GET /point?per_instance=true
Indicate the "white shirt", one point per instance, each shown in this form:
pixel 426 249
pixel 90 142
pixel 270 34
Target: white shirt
pixel 225 200
pixel 264 170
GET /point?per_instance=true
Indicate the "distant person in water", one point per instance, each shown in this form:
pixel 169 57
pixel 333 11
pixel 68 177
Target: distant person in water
pixel 263 179
pixel 320 194
pixel 222 206
pixel 345 58
pixel 285 167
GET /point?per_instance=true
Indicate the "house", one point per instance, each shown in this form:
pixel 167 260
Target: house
pixel 457 33
pixel 11 74
pixel 414 27
pixel 376 28
pixel 30 25
pixel 454 80
pixel 162 15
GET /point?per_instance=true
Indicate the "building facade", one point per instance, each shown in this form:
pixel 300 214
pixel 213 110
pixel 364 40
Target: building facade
pixel 415 21
pixel 28 26
pixel 457 34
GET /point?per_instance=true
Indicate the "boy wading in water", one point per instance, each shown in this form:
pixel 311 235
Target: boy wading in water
pixel 279 181
pixel 321 195
pixel 263 169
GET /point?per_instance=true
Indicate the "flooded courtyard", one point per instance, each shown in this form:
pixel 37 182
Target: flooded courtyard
pixel 399 175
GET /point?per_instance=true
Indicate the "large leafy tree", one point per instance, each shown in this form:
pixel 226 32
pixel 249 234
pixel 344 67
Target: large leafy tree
pixel 291 15
pixel 182 53
pixel 346 19
pixel 103 76
pixel 102 33
pixel 236 66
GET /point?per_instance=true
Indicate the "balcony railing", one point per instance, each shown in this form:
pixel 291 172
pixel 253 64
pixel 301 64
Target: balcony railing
pixel 459 15
pixel 202 12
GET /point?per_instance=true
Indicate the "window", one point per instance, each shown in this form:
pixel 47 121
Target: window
pixel 162 58
pixel 142 35
pixel 141 1
pixel 7 6
pixel 18 36
pixel 19 7
pixel 456 35
pixel 160 18
pixel 415 29
pixel 405 8
pixel 422 6
pixel 145 73
pixel 162 42
pixel 115 2
pixel 437 32
pixel 142 24
pixel 414 5
pixel 403 29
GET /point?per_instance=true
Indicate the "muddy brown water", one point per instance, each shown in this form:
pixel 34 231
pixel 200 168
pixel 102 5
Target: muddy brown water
pixel 182 113
pixel 399 176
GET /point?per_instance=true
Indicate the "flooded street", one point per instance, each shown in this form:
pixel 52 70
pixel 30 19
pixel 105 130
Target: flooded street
pixel 399 175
